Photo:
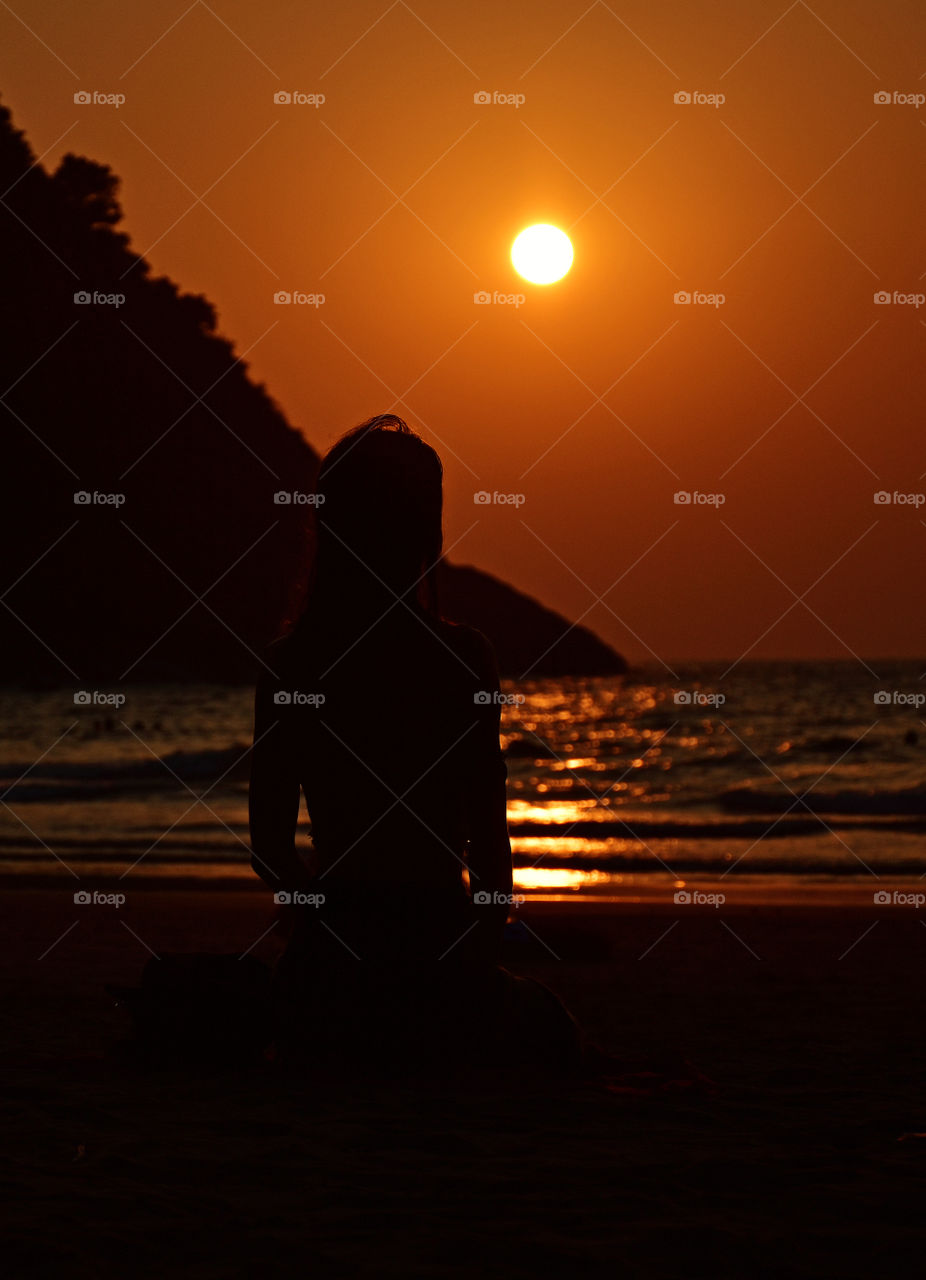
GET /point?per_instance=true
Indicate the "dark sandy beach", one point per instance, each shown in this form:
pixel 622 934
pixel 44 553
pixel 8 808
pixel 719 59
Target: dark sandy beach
pixel 803 1159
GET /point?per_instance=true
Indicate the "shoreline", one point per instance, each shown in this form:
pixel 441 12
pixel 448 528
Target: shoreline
pixel 705 895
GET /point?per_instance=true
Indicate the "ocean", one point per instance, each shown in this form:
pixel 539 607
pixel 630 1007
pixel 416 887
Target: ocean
pixel 769 774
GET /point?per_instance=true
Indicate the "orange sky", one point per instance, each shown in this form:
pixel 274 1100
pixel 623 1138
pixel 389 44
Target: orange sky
pixel 797 199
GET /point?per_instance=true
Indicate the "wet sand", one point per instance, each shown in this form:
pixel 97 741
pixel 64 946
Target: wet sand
pixel 802 1160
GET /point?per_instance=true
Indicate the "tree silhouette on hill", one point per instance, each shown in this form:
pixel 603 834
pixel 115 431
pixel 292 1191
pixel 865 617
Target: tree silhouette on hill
pixel 135 393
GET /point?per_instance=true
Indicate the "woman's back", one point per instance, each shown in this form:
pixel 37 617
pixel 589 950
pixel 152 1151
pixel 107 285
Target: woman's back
pixel 393 735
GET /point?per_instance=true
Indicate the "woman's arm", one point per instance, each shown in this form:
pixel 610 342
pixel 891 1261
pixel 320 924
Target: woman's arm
pixel 273 797
pixel 489 854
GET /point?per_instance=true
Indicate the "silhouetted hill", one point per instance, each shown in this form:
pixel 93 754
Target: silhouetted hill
pixel 529 639
pixel 189 570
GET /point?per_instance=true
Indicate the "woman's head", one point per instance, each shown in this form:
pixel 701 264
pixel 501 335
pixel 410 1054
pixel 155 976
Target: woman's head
pixel 380 491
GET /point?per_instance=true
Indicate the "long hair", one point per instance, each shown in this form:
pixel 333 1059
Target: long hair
pixel 378 524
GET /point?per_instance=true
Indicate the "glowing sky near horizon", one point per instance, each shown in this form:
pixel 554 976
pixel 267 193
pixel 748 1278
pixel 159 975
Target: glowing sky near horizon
pixel 737 191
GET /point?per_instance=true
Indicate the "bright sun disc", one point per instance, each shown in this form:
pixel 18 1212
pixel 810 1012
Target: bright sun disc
pixel 542 254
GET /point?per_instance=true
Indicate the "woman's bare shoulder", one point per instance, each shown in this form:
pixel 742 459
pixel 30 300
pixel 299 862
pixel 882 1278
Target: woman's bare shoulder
pixel 472 647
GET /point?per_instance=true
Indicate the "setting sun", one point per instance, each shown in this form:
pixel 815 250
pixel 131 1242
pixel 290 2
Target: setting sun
pixel 542 254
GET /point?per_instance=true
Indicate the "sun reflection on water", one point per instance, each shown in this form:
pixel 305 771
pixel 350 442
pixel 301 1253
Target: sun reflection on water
pixel 559 878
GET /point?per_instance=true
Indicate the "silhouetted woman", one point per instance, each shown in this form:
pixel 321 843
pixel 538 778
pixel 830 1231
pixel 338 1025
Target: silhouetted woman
pixel 385 716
